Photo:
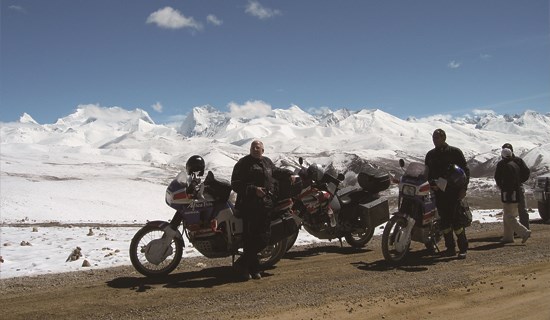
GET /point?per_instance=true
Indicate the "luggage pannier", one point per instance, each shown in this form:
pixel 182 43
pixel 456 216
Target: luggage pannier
pixel 376 212
pixel 373 180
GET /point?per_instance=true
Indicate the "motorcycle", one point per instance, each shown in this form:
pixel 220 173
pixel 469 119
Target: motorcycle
pixel 327 212
pixel 417 218
pixel 209 221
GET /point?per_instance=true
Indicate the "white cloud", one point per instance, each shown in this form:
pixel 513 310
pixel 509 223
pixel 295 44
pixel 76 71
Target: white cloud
pixel 251 109
pixel 454 64
pixel 17 8
pixel 480 112
pixel 319 110
pixel 255 9
pixel 485 56
pixel 157 107
pixel 436 117
pixel 170 18
pixel 212 19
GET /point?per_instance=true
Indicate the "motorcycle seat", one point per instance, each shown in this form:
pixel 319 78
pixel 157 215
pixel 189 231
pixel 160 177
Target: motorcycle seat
pixel 356 195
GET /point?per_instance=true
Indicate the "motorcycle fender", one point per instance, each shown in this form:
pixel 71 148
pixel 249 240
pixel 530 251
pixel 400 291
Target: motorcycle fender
pixel 165 224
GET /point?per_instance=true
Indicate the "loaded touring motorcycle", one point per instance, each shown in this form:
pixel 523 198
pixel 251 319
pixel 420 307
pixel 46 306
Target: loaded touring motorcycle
pixel 326 212
pixel 416 219
pixel 209 221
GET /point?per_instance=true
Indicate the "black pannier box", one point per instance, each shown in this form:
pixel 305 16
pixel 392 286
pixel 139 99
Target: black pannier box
pixel 373 180
pixel 376 212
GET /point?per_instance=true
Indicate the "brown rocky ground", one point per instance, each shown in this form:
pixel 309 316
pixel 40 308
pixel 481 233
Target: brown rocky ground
pixel 322 281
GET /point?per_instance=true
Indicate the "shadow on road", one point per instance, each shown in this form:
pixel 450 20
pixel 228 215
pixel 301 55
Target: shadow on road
pixel 416 261
pixel 314 251
pixel 205 278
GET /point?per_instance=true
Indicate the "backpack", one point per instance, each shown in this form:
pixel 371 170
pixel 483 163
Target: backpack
pixel 509 192
pixel 524 171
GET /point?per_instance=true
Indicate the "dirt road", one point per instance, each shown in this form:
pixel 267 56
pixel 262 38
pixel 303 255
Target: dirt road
pixel 496 281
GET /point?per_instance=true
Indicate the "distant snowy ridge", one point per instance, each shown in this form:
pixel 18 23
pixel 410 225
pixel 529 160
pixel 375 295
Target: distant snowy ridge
pixel 340 138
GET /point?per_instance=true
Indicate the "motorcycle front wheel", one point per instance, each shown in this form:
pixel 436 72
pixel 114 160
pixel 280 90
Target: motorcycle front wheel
pixel 391 237
pixel 272 254
pixel 142 242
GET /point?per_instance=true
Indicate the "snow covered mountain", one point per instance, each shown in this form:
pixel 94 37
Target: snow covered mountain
pixel 123 160
pixel 332 138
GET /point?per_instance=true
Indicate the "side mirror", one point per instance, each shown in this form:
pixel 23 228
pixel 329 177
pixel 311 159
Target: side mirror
pixel 401 163
pixel 341 176
pixel 301 160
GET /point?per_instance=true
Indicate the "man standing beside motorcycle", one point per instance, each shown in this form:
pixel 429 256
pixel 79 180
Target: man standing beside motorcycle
pixel 253 181
pixel 441 162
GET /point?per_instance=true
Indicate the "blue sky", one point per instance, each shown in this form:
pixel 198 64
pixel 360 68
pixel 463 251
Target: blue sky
pixel 408 58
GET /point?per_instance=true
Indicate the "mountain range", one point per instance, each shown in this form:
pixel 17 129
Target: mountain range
pixel 336 138
pixel 123 160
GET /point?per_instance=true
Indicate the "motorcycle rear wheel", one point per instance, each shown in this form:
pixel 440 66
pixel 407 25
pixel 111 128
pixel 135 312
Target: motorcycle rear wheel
pixel 139 242
pixel 389 237
pixel 544 210
pixel 359 237
pixel 272 254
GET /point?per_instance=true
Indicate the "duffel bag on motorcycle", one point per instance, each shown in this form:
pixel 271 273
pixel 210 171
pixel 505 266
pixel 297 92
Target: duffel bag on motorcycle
pixel 373 180
pixel 281 228
pixel 217 188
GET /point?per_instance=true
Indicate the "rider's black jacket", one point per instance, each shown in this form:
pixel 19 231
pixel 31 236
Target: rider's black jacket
pixel 249 173
pixel 439 159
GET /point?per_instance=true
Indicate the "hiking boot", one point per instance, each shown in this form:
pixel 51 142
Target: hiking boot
pixel 241 270
pixel 256 275
pixel 449 252
pixel 526 236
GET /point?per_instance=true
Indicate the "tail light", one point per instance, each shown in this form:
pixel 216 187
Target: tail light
pixel 424 188
pixel 214 225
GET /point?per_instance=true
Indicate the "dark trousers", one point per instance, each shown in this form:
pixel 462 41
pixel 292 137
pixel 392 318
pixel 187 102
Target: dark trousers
pixel 448 209
pixel 255 237
pixel 522 208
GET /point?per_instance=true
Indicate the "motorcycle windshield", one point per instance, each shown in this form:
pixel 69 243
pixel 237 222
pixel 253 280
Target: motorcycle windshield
pixel 417 170
pixel 182 177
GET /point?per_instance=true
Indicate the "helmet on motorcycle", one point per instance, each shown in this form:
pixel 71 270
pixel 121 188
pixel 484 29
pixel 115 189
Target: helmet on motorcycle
pixel 456 176
pixel 315 172
pixel 195 164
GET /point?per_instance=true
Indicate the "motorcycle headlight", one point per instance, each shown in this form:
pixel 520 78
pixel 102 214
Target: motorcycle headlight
pixel 409 190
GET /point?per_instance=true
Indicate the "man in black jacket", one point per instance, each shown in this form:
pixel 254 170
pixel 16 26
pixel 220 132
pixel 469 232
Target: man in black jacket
pixel 524 176
pixel 439 160
pixel 253 181
pixel 508 179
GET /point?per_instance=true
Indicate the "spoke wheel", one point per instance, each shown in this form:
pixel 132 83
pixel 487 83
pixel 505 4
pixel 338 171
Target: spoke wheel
pixel 392 251
pixel 142 242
